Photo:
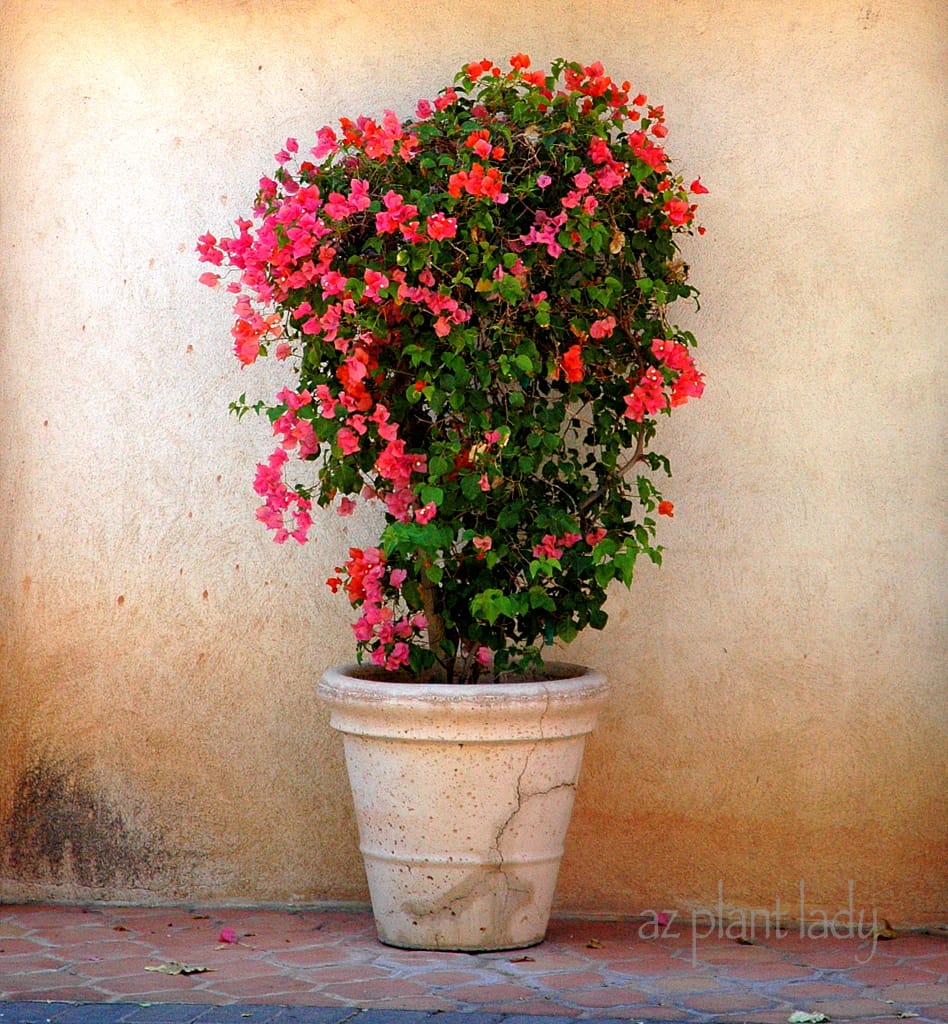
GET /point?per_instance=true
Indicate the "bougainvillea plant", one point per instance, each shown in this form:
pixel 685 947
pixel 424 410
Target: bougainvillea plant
pixel 472 306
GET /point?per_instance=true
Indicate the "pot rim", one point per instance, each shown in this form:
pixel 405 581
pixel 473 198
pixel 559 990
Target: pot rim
pixel 366 682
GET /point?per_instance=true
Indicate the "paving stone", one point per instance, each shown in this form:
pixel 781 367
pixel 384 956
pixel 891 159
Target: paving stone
pixel 319 977
pixel 730 1002
pixel 686 984
pixel 466 1017
pixel 933 1013
pixel 929 994
pixel 529 1011
pixel 294 960
pixel 766 972
pixel 448 979
pixel 658 1013
pixel 124 967
pixel 20 966
pixel 14 946
pixel 652 966
pixel 21 1013
pixel 356 992
pixel 883 975
pixel 102 1013
pixel 27 985
pixel 757 1017
pixel 804 990
pixel 164 1013
pixel 612 996
pixel 522 1018
pixel 63 995
pixel 258 989
pixel 238 1013
pixel 316 956
pixel 736 954
pixel 492 993
pixel 854 1008
pixel 318 1015
pixel 544 962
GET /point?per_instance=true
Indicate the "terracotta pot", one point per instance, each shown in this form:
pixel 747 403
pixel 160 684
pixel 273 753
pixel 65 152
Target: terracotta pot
pixel 463 795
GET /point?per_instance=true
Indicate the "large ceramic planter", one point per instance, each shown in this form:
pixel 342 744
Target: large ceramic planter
pixel 463 795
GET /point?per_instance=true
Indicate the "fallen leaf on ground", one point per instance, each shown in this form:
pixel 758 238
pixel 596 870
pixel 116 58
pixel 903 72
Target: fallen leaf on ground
pixel 522 960
pixel 885 932
pixel 802 1017
pixel 173 967
pixel 595 944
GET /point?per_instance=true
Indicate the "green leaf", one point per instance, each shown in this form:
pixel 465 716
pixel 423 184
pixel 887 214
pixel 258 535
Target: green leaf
pixel 510 289
pixel 435 573
pixel 567 631
pixel 490 605
pixel 438 465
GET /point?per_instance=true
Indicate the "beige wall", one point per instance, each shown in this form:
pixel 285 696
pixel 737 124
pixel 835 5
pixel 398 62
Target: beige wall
pixel 779 710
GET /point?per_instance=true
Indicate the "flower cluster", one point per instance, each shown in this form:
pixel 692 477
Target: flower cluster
pixel 473 302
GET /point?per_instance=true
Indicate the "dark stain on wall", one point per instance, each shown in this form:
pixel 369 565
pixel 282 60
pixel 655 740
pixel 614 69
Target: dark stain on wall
pixel 64 828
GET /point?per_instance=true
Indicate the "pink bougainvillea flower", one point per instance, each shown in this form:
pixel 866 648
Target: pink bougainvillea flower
pixel 211 280
pixel 646 398
pixel 572 364
pixel 227 935
pixel 326 144
pixel 696 188
pixel 348 441
pixel 208 250
pixel 547 548
pixel 690 384
pixel 246 342
pixel 666 508
pixel 678 212
pixel 602 328
pixel 439 227
pixel 477 68
pixel 426 513
pixel 446 99
pixel 672 353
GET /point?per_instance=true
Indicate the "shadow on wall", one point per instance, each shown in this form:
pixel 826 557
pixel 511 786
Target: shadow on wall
pixel 63 828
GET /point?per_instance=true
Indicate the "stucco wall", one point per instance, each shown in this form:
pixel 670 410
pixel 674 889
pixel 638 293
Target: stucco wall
pixel 779 710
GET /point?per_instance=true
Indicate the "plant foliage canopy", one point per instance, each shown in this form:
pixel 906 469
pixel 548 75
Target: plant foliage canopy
pixel 474 305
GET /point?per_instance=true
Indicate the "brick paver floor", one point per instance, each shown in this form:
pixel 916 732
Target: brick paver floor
pixel 110 965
